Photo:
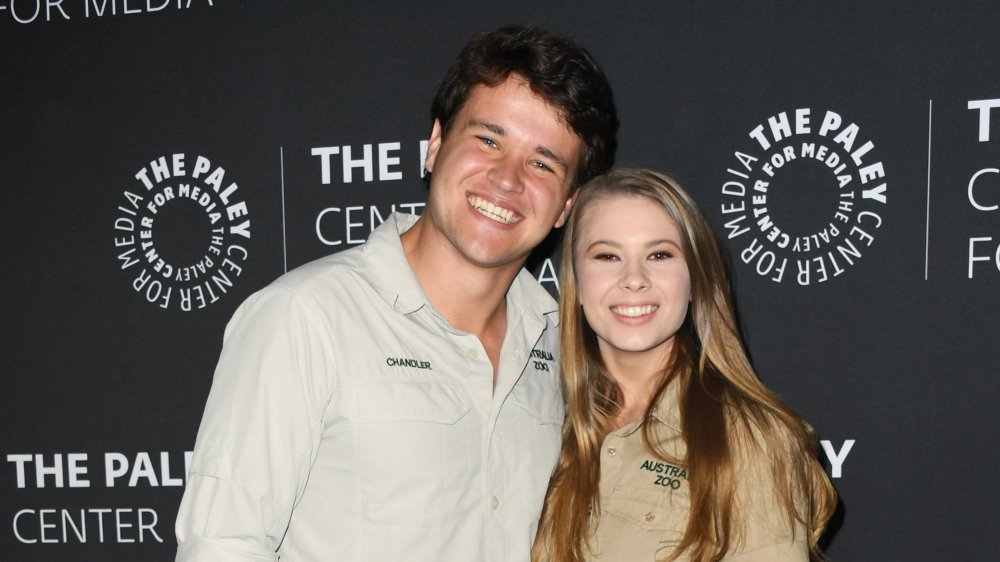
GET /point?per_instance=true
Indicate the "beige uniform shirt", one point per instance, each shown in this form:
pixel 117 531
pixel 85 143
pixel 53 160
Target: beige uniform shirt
pixel 645 501
pixel 349 421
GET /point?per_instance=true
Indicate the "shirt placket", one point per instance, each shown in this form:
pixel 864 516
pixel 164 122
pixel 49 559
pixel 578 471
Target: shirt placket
pixel 519 339
pixel 477 373
pixel 611 462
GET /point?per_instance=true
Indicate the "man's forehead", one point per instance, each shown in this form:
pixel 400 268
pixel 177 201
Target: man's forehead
pixel 516 81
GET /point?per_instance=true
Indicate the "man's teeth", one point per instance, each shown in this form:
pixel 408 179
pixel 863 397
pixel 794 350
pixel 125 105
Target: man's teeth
pixel 490 210
pixel 634 311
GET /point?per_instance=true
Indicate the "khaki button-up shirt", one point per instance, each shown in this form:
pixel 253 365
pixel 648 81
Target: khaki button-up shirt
pixel 645 501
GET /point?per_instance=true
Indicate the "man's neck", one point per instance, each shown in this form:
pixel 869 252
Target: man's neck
pixel 472 298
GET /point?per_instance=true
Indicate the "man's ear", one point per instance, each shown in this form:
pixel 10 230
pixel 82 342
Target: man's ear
pixel 433 145
pixel 567 208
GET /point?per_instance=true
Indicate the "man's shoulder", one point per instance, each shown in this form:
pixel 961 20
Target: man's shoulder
pixel 379 256
pixel 310 291
pixel 328 269
pixel 311 286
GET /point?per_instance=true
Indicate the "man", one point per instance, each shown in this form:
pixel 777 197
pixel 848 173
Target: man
pixel 400 400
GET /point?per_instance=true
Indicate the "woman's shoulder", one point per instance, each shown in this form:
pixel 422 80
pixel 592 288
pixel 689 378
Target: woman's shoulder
pixel 766 461
pixel 756 435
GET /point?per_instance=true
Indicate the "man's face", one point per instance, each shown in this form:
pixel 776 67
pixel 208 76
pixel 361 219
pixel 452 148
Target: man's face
pixel 501 176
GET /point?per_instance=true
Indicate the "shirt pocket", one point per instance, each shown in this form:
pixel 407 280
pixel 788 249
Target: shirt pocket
pixel 537 418
pixel 538 394
pixel 534 416
pixel 416 446
pixel 530 433
pixel 640 525
pixel 537 428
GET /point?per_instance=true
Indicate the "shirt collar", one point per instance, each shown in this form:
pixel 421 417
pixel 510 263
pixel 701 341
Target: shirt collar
pixel 667 410
pixel 528 296
pixel 389 272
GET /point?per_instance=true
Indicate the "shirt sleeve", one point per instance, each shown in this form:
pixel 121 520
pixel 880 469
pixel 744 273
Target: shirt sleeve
pixel 260 431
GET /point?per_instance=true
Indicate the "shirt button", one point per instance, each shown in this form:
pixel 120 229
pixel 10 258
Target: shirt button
pixel 471 353
pixel 648 516
pixel 495 502
pixel 612 451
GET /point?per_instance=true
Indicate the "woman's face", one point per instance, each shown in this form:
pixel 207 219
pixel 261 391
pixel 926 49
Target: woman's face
pixel 632 279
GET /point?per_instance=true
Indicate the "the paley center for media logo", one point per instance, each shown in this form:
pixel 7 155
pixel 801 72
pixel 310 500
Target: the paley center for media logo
pixel 181 232
pixel 804 199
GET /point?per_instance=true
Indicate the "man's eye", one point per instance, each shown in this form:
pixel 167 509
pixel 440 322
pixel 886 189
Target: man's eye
pixel 542 166
pixel 488 141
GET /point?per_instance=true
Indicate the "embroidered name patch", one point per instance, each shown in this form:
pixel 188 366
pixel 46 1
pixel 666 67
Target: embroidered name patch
pixel 539 358
pixel 667 475
pixel 405 362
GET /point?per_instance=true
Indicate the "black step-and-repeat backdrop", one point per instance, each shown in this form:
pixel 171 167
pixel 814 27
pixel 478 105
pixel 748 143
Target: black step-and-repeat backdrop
pixel 160 160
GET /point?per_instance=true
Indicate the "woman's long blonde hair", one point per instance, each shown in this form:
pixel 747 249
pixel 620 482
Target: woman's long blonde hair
pixel 723 404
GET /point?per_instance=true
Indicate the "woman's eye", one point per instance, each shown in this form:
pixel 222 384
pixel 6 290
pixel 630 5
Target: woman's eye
pixel 661 255
pixel 605 257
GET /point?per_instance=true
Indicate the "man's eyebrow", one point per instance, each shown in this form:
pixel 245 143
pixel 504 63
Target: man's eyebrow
pixel 553 156
pixel 491 127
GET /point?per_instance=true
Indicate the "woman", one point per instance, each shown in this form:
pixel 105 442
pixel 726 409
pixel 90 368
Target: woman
pixel 672 448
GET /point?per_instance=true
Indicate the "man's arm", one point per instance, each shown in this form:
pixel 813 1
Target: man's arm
pixel 259 434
